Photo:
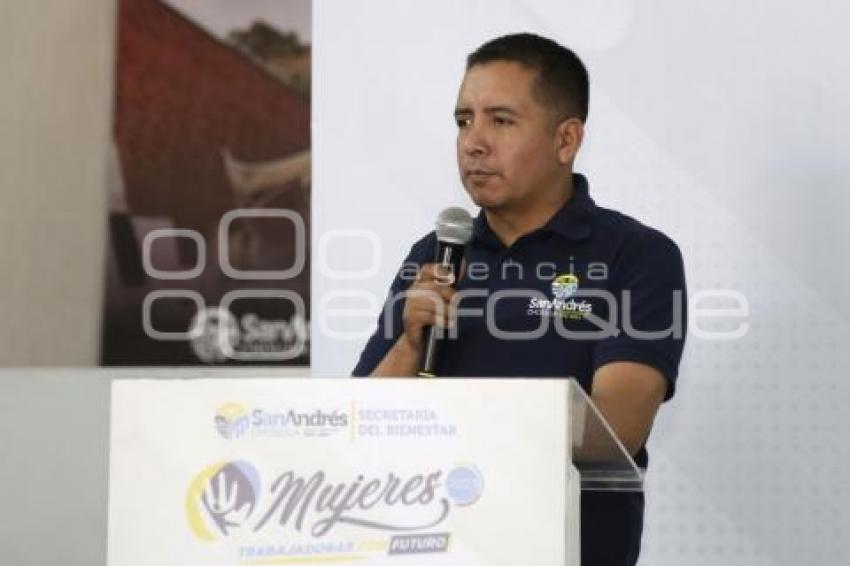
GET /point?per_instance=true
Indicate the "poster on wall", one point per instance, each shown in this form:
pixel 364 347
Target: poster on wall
pixel 209 178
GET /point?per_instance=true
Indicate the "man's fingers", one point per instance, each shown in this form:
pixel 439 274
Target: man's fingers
pixel 429 315
pixel 432 290
pixel 428 302
pixel 437 273
pixel 422 317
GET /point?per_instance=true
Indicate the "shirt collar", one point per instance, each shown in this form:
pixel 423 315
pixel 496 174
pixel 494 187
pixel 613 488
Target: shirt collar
pixel 572 221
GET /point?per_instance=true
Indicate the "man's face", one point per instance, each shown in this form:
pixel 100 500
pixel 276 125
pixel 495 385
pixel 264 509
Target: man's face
pixel 506 143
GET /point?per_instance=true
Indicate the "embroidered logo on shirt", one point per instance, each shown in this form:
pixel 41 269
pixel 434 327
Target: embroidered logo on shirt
pixel 563 287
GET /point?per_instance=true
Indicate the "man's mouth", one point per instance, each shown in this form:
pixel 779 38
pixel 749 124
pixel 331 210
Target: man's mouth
pixel 479 173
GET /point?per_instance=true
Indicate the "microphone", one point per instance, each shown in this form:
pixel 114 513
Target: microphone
pixel 454 229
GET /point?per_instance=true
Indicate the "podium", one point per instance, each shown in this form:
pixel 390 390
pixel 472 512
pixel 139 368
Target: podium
pixel 455 472
pixel 602 461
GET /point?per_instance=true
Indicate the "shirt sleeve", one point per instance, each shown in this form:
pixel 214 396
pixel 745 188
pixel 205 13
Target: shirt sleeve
pixel 390 324
pixel 649 289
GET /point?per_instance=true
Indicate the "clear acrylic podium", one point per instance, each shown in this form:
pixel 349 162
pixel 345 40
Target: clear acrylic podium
pixel 598 455
pixel 599 462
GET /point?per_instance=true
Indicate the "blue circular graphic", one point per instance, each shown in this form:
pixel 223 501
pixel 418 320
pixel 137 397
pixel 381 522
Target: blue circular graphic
pixel 464 485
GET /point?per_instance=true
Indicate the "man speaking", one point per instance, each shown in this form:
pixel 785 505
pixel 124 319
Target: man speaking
pixel 550 285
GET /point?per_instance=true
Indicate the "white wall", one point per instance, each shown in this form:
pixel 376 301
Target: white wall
pixel 55 109
pixel 720 123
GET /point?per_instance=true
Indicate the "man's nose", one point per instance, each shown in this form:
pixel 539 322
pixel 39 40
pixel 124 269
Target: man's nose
pixel 475 141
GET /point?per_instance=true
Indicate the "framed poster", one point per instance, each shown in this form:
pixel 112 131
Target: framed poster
pixel 209 204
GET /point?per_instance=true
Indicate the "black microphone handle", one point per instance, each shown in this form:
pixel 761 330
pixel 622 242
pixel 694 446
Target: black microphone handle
pixel 448 255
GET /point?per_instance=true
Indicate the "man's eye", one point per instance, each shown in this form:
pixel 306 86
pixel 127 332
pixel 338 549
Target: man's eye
pixel 462 122
pixel 499 121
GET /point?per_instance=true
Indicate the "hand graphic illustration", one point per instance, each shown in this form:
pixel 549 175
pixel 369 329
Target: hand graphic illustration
pixel 221 502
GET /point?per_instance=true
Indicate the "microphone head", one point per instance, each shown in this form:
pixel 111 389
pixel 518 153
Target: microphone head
pixel 454 225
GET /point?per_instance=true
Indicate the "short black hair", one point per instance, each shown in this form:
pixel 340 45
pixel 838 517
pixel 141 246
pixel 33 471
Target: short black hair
pixel 562 82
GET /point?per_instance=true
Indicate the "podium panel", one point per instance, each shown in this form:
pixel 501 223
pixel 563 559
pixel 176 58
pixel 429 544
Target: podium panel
pixel 378 472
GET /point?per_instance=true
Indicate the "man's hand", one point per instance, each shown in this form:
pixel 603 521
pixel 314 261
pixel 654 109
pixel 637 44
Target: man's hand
pixel 428 302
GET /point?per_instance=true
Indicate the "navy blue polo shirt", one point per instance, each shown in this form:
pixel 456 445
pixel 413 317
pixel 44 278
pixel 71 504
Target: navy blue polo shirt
pixel 591 286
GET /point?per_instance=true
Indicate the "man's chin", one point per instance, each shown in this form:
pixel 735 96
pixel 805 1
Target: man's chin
pixel 485 199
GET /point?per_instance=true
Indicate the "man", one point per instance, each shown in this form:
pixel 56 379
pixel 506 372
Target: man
pixel 607 291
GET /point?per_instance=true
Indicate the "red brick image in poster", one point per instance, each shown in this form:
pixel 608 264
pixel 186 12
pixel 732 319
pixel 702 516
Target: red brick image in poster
pixel 208 259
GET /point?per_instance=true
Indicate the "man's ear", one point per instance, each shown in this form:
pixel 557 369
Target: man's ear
pixel 568 137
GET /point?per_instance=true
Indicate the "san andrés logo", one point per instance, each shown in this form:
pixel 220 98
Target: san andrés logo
pixel 221 336
pixel 233 420
pixel 562 303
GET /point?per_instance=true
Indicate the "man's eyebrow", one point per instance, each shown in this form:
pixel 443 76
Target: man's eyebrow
pixel 500 109
pixel 463 111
